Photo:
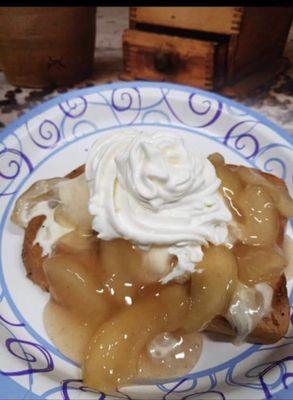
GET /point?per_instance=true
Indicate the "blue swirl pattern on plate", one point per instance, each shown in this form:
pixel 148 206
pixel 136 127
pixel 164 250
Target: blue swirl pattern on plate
pixel 57 124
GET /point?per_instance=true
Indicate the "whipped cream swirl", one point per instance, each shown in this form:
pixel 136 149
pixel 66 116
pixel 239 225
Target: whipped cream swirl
pixel 155 189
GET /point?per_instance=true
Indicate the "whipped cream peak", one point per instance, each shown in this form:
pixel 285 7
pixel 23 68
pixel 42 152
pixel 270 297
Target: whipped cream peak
pixel 155 189
pixel 158 170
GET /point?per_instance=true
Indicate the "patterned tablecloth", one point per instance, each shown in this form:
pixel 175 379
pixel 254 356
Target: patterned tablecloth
pixel 275 101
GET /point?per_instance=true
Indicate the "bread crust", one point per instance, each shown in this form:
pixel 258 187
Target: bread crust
pixel 270 329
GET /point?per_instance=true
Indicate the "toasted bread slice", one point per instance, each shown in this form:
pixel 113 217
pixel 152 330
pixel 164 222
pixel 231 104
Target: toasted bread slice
pixel 271 329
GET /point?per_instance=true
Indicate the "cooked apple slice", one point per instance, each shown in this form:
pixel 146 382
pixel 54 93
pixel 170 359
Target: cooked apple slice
pixel 212 284
pixel 73 208
pixel 260 218
pixel 78 242
pixel 128 268
pixel 43 190
pixel 117 258
pixel 216 159
pixel 113 352
pixel 231 185
pixel 258 264
pixel 74 287
pixel 274 186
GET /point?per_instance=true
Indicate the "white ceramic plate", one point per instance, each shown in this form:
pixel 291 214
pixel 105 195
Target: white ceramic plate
pixel 53 139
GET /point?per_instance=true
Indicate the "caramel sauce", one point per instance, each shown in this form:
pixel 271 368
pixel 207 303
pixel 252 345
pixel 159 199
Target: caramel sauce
pixel 69 333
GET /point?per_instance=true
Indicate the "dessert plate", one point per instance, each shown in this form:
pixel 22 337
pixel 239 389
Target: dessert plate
pixel 53 139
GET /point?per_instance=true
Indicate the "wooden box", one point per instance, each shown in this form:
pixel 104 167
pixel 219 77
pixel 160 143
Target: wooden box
pixel 160 57
pixel 229 49
pixel 194 18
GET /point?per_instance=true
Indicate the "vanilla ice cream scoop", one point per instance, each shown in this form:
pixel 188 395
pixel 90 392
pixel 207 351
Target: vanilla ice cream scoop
pixel 153 189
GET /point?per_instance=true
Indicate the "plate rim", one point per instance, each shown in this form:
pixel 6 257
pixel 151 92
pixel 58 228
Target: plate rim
pixel 36 110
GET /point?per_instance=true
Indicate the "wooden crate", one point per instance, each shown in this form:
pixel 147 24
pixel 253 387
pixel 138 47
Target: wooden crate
pixel 228 49
pixel 159 57
pixel 195 18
